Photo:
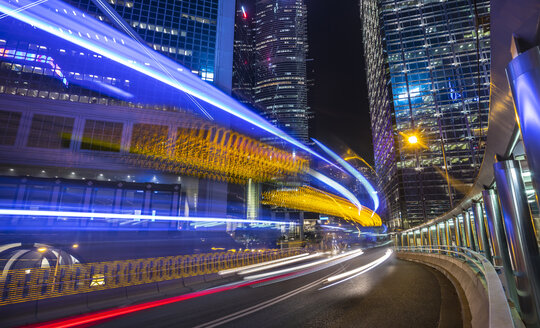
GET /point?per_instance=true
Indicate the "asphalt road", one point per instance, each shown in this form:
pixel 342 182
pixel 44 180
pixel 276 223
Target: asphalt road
pixel 395 293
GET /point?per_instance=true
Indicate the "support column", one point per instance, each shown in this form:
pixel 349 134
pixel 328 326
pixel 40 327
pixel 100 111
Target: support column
pixel 463 233
pixel 520 237
pixel 468 230
pixel 523 74
pixel 438 237
pixel 447 233
pixel 481 229
pixel 501 255
pixel 457 232
pixel 429 239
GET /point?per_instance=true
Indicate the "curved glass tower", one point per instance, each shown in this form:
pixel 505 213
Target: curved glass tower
pixel 280 90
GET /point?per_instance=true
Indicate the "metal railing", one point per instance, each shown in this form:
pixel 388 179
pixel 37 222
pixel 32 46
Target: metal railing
pixel 499 310
pixel 22 285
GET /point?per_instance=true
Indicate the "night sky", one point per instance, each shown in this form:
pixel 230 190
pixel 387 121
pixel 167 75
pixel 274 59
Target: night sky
pixel 339 96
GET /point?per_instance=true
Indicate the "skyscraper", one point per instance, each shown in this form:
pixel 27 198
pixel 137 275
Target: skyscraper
pixel 196 33
pixel 244 73
pixel 435 58
pixel 280 90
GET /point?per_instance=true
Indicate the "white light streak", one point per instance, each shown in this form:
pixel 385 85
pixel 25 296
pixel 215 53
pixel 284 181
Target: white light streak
pixel 261 264
pixel 358 271
pixel 350 255
pixel 270 266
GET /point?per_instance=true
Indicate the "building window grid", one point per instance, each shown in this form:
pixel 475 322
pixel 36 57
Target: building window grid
pixel 9 125
pixel 48 131
pixel 194 48
pixel 102 135
pixel 434 103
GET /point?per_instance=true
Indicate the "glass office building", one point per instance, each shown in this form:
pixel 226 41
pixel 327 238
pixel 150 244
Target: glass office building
pixel 281 48
pixel 195 33
pixel 382 118
pixel 436 57
pixel 244 72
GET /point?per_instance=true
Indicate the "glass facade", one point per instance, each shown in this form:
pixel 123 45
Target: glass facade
pixel 192 33
pixel 438 57
pixel 382 116
pixel 244 72
pixel 185 31
pixel 281 47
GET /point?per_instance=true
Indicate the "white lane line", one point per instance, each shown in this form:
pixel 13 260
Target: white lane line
pixel 261 306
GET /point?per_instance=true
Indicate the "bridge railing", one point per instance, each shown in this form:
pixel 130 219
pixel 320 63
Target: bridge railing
pixel 499 314
pixel 30 284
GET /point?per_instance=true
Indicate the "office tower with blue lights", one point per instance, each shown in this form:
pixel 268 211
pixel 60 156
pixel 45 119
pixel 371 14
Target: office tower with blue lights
pixel 280 90
pixel 427 65
pixel 197 33
pixel 66 108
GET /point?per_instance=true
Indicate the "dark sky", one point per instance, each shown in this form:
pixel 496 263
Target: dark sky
pixel 339 94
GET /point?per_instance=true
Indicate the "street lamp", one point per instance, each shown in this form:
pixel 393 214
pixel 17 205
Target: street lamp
pixel 413 139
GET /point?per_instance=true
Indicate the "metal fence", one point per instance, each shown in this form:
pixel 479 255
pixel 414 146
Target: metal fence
pixel 22 285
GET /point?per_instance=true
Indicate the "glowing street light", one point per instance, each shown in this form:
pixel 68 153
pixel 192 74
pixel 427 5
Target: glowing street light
pixel 413 139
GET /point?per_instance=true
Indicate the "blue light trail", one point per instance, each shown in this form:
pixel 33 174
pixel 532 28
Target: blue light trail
pixel 70 24
pixel 133 216
pixel 354 172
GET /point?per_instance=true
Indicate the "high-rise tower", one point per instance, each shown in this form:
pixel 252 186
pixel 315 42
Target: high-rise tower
pixel 280 90
pixel 196 33
pixel 243 56
pixel 435 55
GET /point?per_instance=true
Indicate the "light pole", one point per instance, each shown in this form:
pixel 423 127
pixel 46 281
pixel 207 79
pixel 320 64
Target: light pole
pixel 413 140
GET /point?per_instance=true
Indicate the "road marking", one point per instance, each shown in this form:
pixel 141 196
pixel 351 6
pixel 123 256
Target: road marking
pixel 263 305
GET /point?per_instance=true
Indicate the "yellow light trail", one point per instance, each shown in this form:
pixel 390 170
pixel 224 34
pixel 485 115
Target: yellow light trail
pixel 313 200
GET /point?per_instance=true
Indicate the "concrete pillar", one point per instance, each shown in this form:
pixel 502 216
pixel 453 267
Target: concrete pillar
pixel 501 255
pixel 481 229
pixel 520 237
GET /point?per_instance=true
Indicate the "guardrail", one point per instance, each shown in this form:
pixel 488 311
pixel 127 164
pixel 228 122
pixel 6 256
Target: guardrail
pixel 499 310
pixel 22 285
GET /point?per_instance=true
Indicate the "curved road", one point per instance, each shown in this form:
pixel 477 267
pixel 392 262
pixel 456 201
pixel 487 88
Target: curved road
pixel 383 292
